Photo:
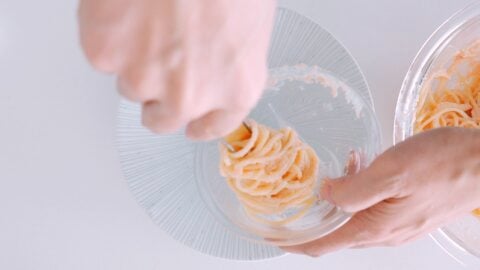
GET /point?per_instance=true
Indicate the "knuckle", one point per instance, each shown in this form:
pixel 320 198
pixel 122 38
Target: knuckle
pixel 422 224
pixel 376 233
pixel 367 227
pixel 398 182
pixel 135 88
pixel 368 233
pixel 159 120
pixel 382 232
pixel 100 55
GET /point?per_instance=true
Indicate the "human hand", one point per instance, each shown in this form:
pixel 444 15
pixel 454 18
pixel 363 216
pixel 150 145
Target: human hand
pixel 196 63
pixel 408 191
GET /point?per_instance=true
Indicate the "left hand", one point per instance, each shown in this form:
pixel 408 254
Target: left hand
pixel 408 191
pixel 195 64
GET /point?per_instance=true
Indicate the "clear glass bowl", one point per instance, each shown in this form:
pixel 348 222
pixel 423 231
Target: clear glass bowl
pixel 166 174
pixel 329 116
pixel 461 239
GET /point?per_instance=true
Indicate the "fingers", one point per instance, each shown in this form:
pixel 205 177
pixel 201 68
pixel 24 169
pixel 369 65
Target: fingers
pixel 215 124
pixel 158 118
pixel 356 234
pixel 354 163
pixel 367 228
pixel 394 240
pixel 155 49
pixel 347 236
pixel 103 55
pixel 142 83
pixel 164 110
pixel 357 192
pixel 103 33
pixel 232 108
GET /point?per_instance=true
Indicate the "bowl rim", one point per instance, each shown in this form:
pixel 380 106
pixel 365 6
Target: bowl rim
pixel 369 100
pixel 420 66
pixel 408 98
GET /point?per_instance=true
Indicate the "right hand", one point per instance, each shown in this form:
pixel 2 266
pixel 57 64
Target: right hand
pixel 200 64
pixel 411 189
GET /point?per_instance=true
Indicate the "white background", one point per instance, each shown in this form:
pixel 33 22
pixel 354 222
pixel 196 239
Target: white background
pixel 63 201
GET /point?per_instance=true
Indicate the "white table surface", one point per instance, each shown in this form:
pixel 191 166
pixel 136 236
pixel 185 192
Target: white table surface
pixel 63 201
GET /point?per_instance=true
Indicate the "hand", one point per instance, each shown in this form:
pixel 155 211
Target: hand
pixel 195 63
pixel 408 191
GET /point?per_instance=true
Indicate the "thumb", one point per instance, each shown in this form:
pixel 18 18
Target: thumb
pixel 353 193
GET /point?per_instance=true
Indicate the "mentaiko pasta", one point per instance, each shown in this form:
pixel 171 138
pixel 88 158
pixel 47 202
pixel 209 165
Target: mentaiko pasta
pixel 451 98
pixel 270 172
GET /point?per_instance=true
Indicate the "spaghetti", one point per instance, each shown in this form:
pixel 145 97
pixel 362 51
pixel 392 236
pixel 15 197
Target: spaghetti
pixel 451 98
pixel 270 172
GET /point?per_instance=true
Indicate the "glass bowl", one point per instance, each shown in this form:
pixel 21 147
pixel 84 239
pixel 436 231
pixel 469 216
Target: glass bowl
pixel 329 116
pixel 461 239
pixel 169 175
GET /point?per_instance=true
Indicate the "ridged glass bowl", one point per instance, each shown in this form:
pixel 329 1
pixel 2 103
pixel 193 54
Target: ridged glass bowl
pixel 460 239
pixel 177 181
pixel 329 116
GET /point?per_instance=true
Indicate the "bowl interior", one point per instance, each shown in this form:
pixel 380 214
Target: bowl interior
pixel 329 116
pixel 160 171
pixel 457 33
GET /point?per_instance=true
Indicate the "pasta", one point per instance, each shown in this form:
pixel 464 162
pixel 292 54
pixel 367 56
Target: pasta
pixel 270 172
pixel 451 98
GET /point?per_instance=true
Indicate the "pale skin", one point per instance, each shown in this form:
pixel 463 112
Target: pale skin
pixel 194 64
pixel 202 65
pixel 408 191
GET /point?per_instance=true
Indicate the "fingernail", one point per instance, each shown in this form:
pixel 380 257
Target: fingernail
pixel 326 191
pixel 353 163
